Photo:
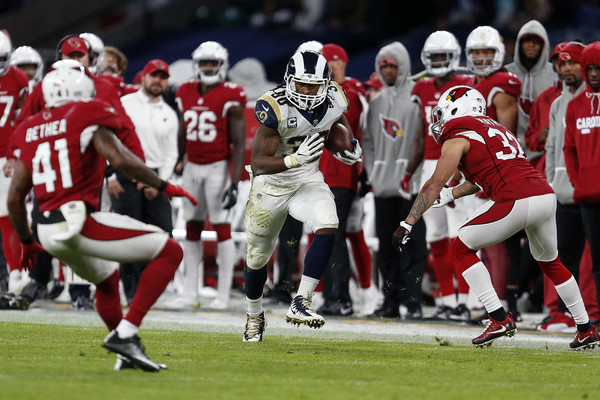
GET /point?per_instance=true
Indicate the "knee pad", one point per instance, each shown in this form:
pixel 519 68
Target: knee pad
pixel 193 230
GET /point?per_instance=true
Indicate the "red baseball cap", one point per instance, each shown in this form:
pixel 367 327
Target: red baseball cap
pixel 333 52
pixel 74 44
pixel 388 60
pixel 156 65
pixel 137 79
pixel 557 50
pixel 373 81
pixel 571 52
pixel 531 34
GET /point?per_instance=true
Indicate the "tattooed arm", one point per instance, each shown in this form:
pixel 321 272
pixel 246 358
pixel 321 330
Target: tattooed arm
pixel 20 185
pixel 452 152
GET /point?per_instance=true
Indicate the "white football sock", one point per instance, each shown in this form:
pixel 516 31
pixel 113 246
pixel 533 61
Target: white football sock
pixel 307 286
pixel 126 329
pixel 571 296
pixel 226 253
pixel 478 278
pixel 193 267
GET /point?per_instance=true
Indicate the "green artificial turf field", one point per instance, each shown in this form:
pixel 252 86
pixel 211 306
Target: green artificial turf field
pixel 66 362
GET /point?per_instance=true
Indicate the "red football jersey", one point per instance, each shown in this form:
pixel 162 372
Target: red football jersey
pixel 427 95
pixel 58 151
pixel 12 84
pixel 499 82
pixel 495 161
pixel 205 119
pixel 119 84
pixel 105 92
pixel 336 173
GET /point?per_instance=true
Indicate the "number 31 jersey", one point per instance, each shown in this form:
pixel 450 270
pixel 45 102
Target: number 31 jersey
pixel 205 119
pixel 294 125
pixel 56 146
pixel 495 160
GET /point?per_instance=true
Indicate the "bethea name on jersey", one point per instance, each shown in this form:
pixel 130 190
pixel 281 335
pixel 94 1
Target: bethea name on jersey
pixel 48 129
pixel 585 124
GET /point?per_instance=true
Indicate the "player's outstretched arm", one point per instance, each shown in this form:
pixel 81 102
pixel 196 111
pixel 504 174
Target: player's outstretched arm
pixel 120 157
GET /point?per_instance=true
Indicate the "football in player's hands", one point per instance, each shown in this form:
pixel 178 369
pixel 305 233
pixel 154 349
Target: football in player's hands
pixel 339 139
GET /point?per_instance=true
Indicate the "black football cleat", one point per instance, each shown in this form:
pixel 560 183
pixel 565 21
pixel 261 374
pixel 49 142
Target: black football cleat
pixel 132 349
pixel 586 340
pixel 125 363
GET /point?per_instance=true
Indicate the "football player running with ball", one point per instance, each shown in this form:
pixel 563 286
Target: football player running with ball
pixel 64 149
pixel 492 160
pixel 294 120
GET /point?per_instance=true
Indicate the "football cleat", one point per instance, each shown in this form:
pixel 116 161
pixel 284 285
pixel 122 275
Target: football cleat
pixel 558 322
pixel 132 349
pixel 125 363
pixel 301 312
pixel 496 329
pixel 460 313
pixel 586 340
pixel 442 313
pixel 255 326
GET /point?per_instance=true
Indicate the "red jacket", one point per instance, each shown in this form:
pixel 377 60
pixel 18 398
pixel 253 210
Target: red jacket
pixel 336 173
pixel 539 117
pixel 582 135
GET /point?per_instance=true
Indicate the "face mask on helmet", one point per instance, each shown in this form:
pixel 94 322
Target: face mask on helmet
pixel 458 101
pixel 307 68
pixel 5 50
pixel 97 54
pixel 26 55
pixel 210 51
pixel 65 84
pixel 440 54
pixel 481 38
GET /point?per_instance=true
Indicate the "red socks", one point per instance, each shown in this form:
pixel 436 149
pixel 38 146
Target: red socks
pixel 108 301
pixel 154 280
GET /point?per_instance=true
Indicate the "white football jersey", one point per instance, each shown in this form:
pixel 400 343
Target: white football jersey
pixel 294 125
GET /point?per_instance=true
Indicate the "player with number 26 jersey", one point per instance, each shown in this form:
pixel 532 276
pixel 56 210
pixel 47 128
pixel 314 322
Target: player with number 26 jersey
pixel 56 147
pixel 205 118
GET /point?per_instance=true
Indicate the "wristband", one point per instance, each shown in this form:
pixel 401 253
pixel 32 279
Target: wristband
pixel 162 186
pixel 27 240
pixel 406 226
pixel 289 162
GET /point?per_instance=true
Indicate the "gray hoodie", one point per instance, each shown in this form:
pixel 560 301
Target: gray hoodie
pixel 556 171
pixel 250 74
pixel 533 82
pixel 392 123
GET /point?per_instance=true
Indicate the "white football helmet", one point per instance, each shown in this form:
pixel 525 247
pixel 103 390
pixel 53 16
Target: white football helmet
pixel 24 55
pixel 64 85
pixel 5 50
pixel 97 54
pixel 215 52
pixel 307 67
pixel 311 45
pixel 458 101
pixel 485 37
pixel 441 42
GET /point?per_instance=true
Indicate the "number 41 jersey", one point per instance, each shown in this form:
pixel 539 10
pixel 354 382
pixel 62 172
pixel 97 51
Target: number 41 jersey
pixel 495 160
pixel 56 146
pixel 205 119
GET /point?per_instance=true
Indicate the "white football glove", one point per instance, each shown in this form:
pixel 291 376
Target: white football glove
pixel 310 149
pixel 350 157
pixel 446 197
